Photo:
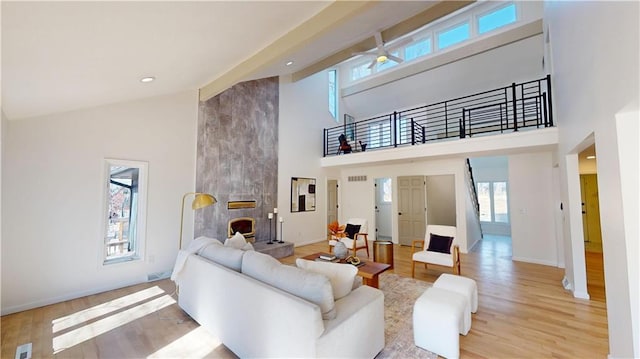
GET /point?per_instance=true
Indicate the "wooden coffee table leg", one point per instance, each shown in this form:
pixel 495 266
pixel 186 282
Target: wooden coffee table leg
pixel 371 282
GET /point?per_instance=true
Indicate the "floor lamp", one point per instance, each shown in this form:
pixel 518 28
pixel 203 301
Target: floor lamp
pixel 201 200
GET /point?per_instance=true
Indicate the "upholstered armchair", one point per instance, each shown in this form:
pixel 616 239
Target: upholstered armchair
pixel 354 237
pixel 439 247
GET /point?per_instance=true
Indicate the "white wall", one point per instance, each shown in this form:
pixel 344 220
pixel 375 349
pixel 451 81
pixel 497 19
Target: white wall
pixel 53 196
pixel 441 204
pixel 357 199
pixel 595 59
pixel 304 113
pixel 533 234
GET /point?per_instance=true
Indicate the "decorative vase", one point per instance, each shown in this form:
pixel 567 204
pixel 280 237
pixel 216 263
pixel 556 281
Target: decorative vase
pixel 340 250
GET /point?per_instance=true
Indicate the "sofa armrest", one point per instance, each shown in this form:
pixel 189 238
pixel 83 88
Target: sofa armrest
pixel 358 329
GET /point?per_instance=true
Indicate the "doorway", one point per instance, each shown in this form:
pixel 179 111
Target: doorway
pixel 411 208
pixel 592 234
pixel 332 201
pixel 383 208
pixel 590 212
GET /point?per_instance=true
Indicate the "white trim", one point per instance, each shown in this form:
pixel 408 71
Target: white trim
pixel 535 261
pixel 70 296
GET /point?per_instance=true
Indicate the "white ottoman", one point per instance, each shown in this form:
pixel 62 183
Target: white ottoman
pixel 463 285
pixel 438 318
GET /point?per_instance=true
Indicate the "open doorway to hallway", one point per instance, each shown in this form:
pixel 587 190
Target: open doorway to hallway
pixel 587 163
pixel 491 177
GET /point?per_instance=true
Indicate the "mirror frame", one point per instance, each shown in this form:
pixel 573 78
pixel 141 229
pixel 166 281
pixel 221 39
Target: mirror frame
pixel 303 189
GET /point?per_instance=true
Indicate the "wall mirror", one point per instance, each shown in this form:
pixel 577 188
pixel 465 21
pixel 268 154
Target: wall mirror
pixel 125 207
pixel 303 194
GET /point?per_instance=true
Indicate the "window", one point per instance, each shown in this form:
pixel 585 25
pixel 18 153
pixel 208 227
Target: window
pixel 360 71
pixel 403 130
pixel 475 20
pixel 386 190
pixel 493 200
pixel 453 35
pixel 497 18
pixel 333 94
pixel 417 49
pixel 389 63
pixel 379 134
pixel 125 207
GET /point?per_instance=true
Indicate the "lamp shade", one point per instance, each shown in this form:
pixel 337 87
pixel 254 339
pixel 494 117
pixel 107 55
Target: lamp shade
pixel 203 200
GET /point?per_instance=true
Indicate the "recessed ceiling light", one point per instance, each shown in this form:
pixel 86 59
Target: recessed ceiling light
pixel 289 63
pixel 591 157
pixel 147 79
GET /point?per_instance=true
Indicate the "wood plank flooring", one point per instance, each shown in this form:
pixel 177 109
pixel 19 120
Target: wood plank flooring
pixel 523 313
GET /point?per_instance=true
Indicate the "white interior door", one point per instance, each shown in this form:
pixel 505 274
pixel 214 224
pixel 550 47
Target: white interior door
pixel 383 208
pixel 411 208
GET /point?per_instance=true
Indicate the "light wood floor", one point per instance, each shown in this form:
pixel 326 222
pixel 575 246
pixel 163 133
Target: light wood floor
pixel 523 313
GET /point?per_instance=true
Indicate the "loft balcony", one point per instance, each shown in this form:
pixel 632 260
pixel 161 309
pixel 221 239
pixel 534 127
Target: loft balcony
pixel 512 118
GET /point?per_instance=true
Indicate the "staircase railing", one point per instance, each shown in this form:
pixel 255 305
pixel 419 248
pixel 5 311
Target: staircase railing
pixel 474 191
pixel 506 109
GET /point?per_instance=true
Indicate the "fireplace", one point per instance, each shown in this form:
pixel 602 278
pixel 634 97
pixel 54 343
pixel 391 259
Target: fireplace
pixel 244 225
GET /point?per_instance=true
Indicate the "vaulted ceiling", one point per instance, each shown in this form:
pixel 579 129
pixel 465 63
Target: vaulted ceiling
pixel 63 56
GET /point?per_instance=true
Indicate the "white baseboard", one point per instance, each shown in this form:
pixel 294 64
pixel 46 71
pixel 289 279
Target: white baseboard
pixel 69 296
pixel 581 295
pixel 535 261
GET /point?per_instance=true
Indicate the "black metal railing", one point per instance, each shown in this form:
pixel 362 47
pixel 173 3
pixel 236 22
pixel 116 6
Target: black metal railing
pixel 506 109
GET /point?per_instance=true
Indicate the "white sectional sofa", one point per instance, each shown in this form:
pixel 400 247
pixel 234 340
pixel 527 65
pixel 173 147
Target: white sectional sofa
pixel 238 296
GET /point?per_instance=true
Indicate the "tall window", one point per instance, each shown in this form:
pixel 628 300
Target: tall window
pixel 333 93
pixel 493 200
pixel 386 190
pixel 125 207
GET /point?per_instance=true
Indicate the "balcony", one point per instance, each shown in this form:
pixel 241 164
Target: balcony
pixel 508 110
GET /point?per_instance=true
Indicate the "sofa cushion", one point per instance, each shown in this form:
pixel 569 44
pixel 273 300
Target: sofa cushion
pixel 340 275
pixel 314 287
pixel 227 256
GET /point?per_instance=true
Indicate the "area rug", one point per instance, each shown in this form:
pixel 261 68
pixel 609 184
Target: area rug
pixel 400 293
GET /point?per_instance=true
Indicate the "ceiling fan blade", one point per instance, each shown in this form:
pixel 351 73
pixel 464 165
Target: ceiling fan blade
pixel 394 58
pixel 379 43
pixel 373 63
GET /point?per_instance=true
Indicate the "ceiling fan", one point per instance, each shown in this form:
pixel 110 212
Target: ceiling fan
pixel 381 53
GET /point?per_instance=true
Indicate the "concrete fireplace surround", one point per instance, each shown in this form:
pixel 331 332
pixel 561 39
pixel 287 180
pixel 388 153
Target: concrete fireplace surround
pixel 237 156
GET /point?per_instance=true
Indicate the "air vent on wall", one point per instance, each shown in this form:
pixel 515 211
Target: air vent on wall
pixel 357 178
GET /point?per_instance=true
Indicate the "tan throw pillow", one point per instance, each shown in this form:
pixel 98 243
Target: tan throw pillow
pixel 342 276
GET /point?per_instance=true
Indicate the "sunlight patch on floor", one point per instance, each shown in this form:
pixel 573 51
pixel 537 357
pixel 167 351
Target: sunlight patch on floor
pixel 198 343
pixel 92 330
pixel 86 315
